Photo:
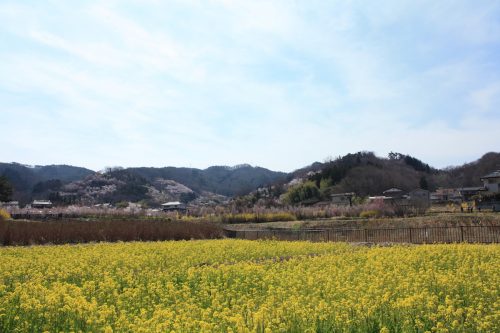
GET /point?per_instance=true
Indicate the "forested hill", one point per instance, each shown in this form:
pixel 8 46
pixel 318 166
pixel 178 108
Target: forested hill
pixel 67 184
pixel 228 181
pixel 367 174
pixel 469 173
pixel 26 179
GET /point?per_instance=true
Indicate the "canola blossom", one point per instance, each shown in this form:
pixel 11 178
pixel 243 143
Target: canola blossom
pixel 249 286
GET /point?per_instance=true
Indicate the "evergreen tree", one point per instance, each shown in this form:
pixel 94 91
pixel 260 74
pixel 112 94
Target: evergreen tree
pixel 5 189
pixel 423 183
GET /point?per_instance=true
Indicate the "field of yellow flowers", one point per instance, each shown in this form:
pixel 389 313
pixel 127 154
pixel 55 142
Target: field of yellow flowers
pixel 245 286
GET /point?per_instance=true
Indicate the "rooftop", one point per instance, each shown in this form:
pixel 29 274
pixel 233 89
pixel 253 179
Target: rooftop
pixel 494 174
pixel 42 202
pixel 393 190
pixel 472 189
pixel 171 203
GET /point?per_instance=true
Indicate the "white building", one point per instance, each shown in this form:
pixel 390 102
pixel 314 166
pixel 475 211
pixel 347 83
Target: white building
pixel 173 206
pixel 10 204
pixel 41 204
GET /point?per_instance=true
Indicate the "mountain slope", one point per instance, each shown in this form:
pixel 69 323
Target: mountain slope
pixel 469 174
pixel 25 179
pixel 366 174
pixel 228 181
pixel 67 184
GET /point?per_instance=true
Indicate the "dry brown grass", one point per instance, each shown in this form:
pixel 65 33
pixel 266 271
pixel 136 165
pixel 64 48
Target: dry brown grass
pixel 72 231
pixel 430 220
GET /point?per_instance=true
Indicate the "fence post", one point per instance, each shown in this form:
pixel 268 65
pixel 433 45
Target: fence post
pixel 461 234
pixel 411 238
pixel 366 236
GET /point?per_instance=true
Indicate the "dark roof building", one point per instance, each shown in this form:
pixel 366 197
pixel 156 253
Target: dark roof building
pixel 494 174
pixel 492 182
pixel 468 192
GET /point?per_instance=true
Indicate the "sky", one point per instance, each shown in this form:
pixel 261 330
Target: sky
pixel 277 84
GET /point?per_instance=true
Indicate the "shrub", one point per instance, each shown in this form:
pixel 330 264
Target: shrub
pixel 302 192
pixel 122 204
pixel 366 214
pixel 4 215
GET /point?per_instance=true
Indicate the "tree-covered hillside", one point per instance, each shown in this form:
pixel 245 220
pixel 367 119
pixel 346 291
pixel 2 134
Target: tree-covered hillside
pixel 363 173
pixel 228 181
pixel 29 181
pixel 366 174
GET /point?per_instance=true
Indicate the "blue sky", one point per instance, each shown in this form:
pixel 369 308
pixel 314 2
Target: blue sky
pixel 279 84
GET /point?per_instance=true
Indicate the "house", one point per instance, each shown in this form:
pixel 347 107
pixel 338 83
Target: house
pixel 10 204
pixel 41 204
pixel 491 182
pixel 490 198
pixel 342 199
pixel 443 195
pixel 173 206
pixel 418 200
pixel 468 192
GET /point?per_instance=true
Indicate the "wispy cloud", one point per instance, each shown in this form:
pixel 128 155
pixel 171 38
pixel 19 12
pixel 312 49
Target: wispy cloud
pixel 273 83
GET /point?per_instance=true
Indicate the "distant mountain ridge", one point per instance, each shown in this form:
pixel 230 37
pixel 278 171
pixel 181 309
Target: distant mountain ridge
pixel 362 173
pixel 49 182
pixel 24 178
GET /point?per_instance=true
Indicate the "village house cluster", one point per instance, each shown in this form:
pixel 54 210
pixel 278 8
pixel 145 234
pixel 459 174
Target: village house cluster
pixel 469 198
pixel 478 197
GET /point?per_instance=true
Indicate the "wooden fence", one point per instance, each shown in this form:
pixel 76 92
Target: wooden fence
pixel 429 235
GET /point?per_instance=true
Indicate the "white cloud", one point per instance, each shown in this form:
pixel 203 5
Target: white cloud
pixel 277 84
pixel 487 99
